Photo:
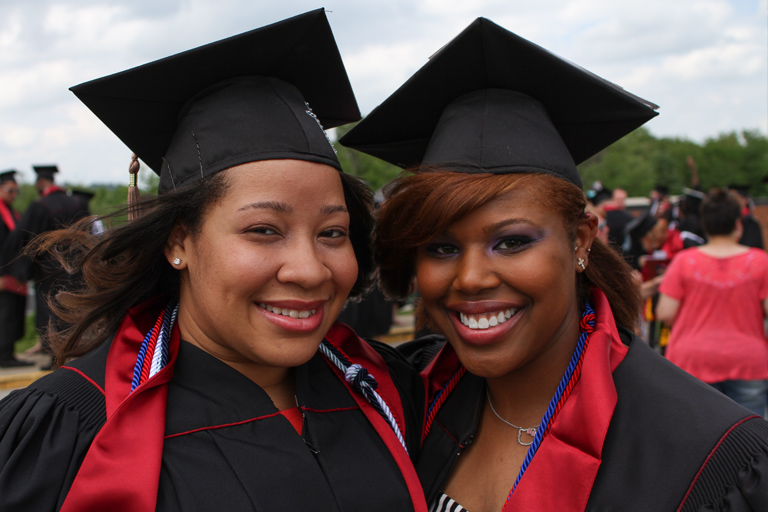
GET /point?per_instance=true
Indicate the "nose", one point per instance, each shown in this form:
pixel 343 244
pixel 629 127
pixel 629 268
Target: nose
pixel 475 273
pixel 304 266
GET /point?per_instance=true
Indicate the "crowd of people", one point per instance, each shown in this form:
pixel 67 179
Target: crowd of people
pixel 200 364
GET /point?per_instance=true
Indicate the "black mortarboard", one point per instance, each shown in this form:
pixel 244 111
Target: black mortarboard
pixel 491 101
pixel 85 195
pixel 602 195
pixel 45 171
pixel 638 227
pixel 265 94
pixel 661 189
pixel 9 175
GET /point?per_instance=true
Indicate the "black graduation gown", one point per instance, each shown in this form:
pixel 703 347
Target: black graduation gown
pixel 55 210
pixel 226 446
pixel 752 236
pixel 672 443
pixel 12 305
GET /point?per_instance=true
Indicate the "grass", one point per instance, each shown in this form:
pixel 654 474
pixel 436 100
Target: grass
pixel 30 336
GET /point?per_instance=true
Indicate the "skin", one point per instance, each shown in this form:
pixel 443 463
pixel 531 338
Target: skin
pixel 279 238
pixel 41 184
pixel 509 253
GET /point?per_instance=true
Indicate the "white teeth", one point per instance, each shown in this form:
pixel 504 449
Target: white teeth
pixel 485 320
pixel 293 313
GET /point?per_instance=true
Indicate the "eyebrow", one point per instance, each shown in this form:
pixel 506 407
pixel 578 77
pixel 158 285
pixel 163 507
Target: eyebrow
pixel 280 207
pixel 268 205
pixel 504 223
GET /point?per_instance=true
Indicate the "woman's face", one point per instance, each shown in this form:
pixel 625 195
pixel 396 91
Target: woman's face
pixel 500 284
pixel 270 268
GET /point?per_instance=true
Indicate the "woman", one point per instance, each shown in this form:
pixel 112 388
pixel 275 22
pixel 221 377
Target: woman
pixel 207 380
pixel 542 399
pixel 716 298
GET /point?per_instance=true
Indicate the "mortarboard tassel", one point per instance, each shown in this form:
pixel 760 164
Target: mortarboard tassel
pixel 133 188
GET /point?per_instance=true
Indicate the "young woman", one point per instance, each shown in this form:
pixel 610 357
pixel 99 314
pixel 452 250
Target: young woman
pixel 212 375
pixel 541 399
pixel 716 298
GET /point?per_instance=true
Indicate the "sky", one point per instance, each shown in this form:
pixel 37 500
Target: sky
pixel 704 62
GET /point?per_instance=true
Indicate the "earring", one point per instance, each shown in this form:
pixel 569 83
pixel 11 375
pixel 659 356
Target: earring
pixel 581 264
pixel 176 261
pixel 576 248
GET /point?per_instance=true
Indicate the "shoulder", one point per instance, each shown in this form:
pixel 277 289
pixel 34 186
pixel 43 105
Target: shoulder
pixel 668 428
pixel 421 351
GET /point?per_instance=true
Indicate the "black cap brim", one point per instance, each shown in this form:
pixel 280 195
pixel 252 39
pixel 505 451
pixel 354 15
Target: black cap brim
pixel 589 112
pixel 141 105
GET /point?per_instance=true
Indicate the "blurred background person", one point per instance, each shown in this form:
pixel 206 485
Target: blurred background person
pixel 54 210
pixel 716 297
pixel 13 295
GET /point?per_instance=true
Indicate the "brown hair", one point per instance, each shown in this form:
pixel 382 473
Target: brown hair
pixel 420 207
pixel 719 212
pixel 127 264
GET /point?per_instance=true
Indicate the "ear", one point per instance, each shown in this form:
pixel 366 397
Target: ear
pixel 177 246
pixel 586 231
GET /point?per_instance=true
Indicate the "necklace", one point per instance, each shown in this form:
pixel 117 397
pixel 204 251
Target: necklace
pixel 531 431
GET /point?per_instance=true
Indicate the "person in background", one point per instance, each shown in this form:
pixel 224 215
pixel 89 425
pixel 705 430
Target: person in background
pixel 715 297
pixel 752 232
pixel 210 373
pixel 13 294
pixel 542 399
pixel 85 196
pixel 54 210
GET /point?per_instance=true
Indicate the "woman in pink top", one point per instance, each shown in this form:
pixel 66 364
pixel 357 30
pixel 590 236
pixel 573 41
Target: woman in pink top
pixel 716 297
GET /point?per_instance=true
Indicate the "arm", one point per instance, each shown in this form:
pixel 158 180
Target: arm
pixel 667 309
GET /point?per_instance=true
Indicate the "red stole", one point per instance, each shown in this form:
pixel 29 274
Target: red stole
pixel 121 470
pixel 8 216
pixel 51 189
pixel 345 339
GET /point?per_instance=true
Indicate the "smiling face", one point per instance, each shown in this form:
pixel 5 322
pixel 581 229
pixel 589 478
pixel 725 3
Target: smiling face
pixel 500 284
pixel 269 270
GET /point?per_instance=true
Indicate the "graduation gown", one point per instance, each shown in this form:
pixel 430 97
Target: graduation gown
pixel 224 446
pixel 12 305
pixel 636 434
pixel 54 210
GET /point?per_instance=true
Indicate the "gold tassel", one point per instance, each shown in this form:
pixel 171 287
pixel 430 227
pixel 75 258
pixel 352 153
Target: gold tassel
pixel 134 195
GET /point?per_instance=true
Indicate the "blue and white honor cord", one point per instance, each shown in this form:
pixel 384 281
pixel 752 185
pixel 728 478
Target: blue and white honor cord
pixel 363 382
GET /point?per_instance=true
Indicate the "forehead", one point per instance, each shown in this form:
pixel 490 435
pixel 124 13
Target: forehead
pixel 521 203
pixel 297 182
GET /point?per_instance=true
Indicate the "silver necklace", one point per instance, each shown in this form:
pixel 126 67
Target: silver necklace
pixel 531 431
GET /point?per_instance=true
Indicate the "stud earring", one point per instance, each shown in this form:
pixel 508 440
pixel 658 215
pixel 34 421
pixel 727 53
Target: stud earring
pixel 581 264
pixel 176 261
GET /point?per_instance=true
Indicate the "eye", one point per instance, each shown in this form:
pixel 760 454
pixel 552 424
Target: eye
pixel 262 230
pixel 334 233
pixel 513 243
pixel 439 249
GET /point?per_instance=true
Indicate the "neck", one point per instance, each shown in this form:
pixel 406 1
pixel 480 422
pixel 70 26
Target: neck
pixel 721 240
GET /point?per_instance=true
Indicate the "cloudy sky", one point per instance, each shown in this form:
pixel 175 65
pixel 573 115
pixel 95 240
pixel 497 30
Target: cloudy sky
pixel 705 62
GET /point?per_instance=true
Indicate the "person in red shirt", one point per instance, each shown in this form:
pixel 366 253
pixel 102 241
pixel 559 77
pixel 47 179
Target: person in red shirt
pixel 716 297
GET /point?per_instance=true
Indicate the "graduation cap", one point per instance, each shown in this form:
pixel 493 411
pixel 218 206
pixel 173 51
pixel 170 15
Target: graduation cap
pixel 84 195
pixel 261 95
pixel 9 175
pixel 635 230
pixel 491 101
pixel 45 171
pixel 602 195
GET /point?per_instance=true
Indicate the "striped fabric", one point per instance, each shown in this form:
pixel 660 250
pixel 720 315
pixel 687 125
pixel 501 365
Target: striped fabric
pixel 444 503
